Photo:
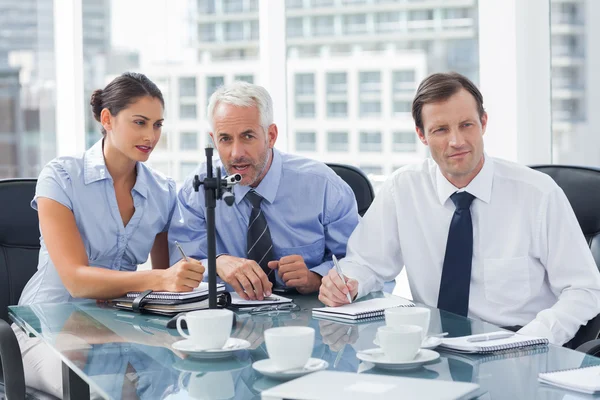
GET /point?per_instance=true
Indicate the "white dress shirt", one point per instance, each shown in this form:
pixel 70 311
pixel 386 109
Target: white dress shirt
pixel 531 263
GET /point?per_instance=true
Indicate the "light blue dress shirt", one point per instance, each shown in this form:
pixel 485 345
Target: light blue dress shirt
pixel 84 185
pixel 310 211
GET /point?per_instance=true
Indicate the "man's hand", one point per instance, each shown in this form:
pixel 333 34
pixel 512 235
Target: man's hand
pixel 245 276
pixel 333 292
pixel 183 276
pixel 294 273
pixel 336 335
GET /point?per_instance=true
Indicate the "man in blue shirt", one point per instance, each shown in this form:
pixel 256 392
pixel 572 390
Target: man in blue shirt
pixel 290 213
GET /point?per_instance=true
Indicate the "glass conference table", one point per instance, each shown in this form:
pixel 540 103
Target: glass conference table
pixel 121 355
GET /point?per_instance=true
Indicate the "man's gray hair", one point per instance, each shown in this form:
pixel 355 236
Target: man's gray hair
pixel 243 94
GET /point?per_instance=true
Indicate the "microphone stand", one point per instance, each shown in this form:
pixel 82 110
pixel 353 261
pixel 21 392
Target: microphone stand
pixel 215 188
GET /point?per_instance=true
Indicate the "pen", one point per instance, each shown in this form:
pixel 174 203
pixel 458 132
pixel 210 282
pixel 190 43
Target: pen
pixel 181 251
pixel 341 274
pixel 338 357
pixel 493 336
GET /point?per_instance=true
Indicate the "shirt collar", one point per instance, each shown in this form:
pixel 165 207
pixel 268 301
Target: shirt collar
pixel 267 188
pixel 480 186
pixel 95 169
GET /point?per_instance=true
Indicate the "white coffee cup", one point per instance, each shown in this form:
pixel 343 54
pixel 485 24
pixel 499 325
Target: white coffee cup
pixel 400 343
pixel 209 386
pixel 208 329
pixel 419 316
pixel 290 347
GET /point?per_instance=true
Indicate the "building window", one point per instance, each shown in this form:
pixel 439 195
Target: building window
pixel 356 23
pixel 337 109
pixel 206 6
pixel 245 78
pixel 322 3
pixel 187 111
pixel 187 87
pixel 404 142
pixel 337 83
pixel 420 15
pixel 188 141
pixel 212 84
pixel 254 30
pixel 404 81
pixel 456 13
pixel 322 25
pixel 305 84
pixel 402 107
pixel 337 141
pixel 163 142
pixel 370 141
pixel 370 82
pixel 387 21
pixel 233 6
pixel 186 169
pixel 294 3
pixel 305 110
pixel 306 141
pixel 370 108
pixel 234 31
pixel 294 27
pixel 206 32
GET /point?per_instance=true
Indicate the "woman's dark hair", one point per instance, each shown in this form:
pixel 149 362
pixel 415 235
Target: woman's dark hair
pixel 440 87
pixel 121 92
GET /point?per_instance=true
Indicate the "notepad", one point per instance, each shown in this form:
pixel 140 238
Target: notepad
pixel 238 302
pixel 585 380
pixel 200 291
pixel 516 341
pixel 363 310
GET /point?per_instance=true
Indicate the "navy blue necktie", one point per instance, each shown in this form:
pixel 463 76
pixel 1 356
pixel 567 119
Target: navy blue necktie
pixel 456 273
pixel 259 242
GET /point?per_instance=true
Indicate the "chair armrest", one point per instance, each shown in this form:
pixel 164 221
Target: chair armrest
pixel 587 333
pixel 12 364
pixel 592 347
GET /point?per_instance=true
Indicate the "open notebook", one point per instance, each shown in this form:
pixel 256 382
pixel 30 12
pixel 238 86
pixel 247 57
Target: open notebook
pixel 362 310
pixel 200 291
pixel 476 344
pixel 585 380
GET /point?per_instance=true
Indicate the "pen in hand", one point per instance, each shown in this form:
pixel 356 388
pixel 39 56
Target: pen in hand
pixel 341 274
pixel 181 251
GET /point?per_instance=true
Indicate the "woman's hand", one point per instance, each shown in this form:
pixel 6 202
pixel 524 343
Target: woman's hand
pixel 184 276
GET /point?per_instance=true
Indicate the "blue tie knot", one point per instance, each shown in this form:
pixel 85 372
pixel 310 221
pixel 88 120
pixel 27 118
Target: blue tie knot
pixel 462 200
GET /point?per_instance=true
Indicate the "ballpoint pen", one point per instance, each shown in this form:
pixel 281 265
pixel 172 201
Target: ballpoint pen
pixel 493 336
pixel 341 274
pixel 181 251
pixel 340 353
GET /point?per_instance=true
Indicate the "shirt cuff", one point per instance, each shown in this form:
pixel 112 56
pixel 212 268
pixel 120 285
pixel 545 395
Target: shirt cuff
pixel 538 329
pixel 322 269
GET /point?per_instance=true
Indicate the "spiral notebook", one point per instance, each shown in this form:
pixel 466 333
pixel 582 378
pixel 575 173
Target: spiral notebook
pixel 585 380
pixel 464 344
pixel 362 310
pixel 200 291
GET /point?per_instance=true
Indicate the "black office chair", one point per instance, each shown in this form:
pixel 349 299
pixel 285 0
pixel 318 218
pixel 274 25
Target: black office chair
pixel 358 182
pixel 582 187
pixel 19 250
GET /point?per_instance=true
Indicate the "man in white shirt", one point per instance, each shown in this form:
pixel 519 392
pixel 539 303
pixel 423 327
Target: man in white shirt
pixel 510 251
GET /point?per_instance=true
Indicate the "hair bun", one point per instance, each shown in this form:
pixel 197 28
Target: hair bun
pixel 96 103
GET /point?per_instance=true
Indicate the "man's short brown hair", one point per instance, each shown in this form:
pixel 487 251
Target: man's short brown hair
pixel 440 87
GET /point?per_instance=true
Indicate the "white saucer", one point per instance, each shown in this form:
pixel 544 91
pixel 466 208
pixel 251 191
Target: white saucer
pixel 212 365
pixel 377 357
pixel 232 345
pixel 429 343
pixel 267 368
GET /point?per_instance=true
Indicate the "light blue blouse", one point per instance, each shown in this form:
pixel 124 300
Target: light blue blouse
pixel 84 185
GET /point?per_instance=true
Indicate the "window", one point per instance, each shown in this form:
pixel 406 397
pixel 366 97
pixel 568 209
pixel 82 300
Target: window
pixel 254 30
pixel 370 82
pixel 306 141
pixel 187 111
pixel 337 141
pixel 388 21
pixel 305 84
pixel 370 141
pixel 322 3
pixel 457 13
pixel 163 142
pixel 356 23
pixel 404 142
pixel 294 3
pixel 234 31
pixel 370 108
pixel 337 109
pixel 212 84
pixel 404 81
pixel 322 25
pixel 206 32
pixel 245 78
pixel 233 6
pixel 188 141
pixel 186 168
pixel 206 6
pixel 305 110
pixel 187 87
pixel 420 15
pixel 336 83
pixel 372 169
pixel 402 107
pixel 294 27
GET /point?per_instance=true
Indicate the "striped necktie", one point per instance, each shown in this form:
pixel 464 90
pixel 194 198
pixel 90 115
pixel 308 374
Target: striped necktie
pixel 260 245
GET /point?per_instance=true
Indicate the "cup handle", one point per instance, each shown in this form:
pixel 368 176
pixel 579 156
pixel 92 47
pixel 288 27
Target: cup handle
pixel 181 379
pixel 179 329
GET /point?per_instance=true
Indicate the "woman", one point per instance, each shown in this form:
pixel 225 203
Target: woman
pixel 101 214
